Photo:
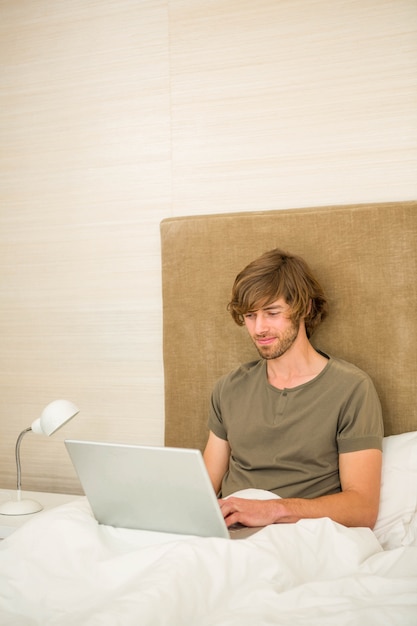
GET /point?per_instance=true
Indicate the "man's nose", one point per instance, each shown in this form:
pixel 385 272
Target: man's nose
pixel 261 325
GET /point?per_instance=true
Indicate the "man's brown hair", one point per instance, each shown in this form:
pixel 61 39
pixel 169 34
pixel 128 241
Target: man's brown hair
pixel 278 274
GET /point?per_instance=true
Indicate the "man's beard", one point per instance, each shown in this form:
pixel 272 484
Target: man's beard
pixel 283 342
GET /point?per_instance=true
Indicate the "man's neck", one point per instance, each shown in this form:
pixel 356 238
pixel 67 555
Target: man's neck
pixel 297 366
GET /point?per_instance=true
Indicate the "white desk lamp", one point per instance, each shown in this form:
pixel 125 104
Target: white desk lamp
pixel 54 415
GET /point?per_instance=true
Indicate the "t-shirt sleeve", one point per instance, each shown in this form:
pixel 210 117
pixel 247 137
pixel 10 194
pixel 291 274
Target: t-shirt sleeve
pixel 215 422
pixel 360 423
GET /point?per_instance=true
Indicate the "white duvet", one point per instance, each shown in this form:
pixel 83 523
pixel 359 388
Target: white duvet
pixel 62 568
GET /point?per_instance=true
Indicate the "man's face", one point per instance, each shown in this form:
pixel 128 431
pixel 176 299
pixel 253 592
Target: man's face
pixel 271 329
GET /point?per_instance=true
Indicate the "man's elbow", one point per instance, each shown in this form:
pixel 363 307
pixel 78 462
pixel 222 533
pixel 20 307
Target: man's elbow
pixel 369 516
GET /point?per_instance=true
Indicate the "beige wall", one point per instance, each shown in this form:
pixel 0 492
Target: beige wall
pixel 115 114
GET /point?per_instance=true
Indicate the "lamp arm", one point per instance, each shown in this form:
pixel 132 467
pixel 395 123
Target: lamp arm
pixel 17 452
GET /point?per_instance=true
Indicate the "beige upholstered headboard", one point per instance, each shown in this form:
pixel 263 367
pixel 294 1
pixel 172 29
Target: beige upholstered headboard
pixel 364 255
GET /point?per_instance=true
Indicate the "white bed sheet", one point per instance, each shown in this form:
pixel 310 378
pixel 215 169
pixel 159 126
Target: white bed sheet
pixel 62 568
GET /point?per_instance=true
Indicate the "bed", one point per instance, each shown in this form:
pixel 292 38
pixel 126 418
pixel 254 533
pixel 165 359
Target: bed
pixel 62 568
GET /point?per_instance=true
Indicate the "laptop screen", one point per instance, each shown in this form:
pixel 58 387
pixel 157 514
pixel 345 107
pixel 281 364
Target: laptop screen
pixel 149 488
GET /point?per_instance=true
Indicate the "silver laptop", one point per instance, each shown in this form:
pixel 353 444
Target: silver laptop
pixel 149 488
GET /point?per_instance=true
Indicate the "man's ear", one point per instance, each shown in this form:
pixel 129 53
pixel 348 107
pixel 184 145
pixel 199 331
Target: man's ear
pixel 310 304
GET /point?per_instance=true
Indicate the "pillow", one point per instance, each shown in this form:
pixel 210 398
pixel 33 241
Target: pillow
pixel 398 505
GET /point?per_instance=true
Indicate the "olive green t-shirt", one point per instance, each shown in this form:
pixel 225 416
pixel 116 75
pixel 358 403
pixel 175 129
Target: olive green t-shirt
pixel 288 440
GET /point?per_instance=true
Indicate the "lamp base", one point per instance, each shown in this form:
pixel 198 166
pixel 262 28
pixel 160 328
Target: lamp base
pixel 20 507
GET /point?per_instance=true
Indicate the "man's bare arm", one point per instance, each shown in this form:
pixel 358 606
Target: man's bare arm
pixel 216 458
pixel 356 505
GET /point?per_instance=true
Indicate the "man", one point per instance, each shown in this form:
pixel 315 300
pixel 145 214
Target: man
pixel 299 423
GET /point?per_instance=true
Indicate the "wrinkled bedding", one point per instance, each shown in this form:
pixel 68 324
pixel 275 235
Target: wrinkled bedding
pixel 62 568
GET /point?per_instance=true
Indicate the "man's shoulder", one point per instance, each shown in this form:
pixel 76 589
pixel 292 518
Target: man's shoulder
pixel 346 369
pixel 251 369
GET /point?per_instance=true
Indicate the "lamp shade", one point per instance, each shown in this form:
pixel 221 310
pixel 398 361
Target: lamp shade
pixel 54 415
